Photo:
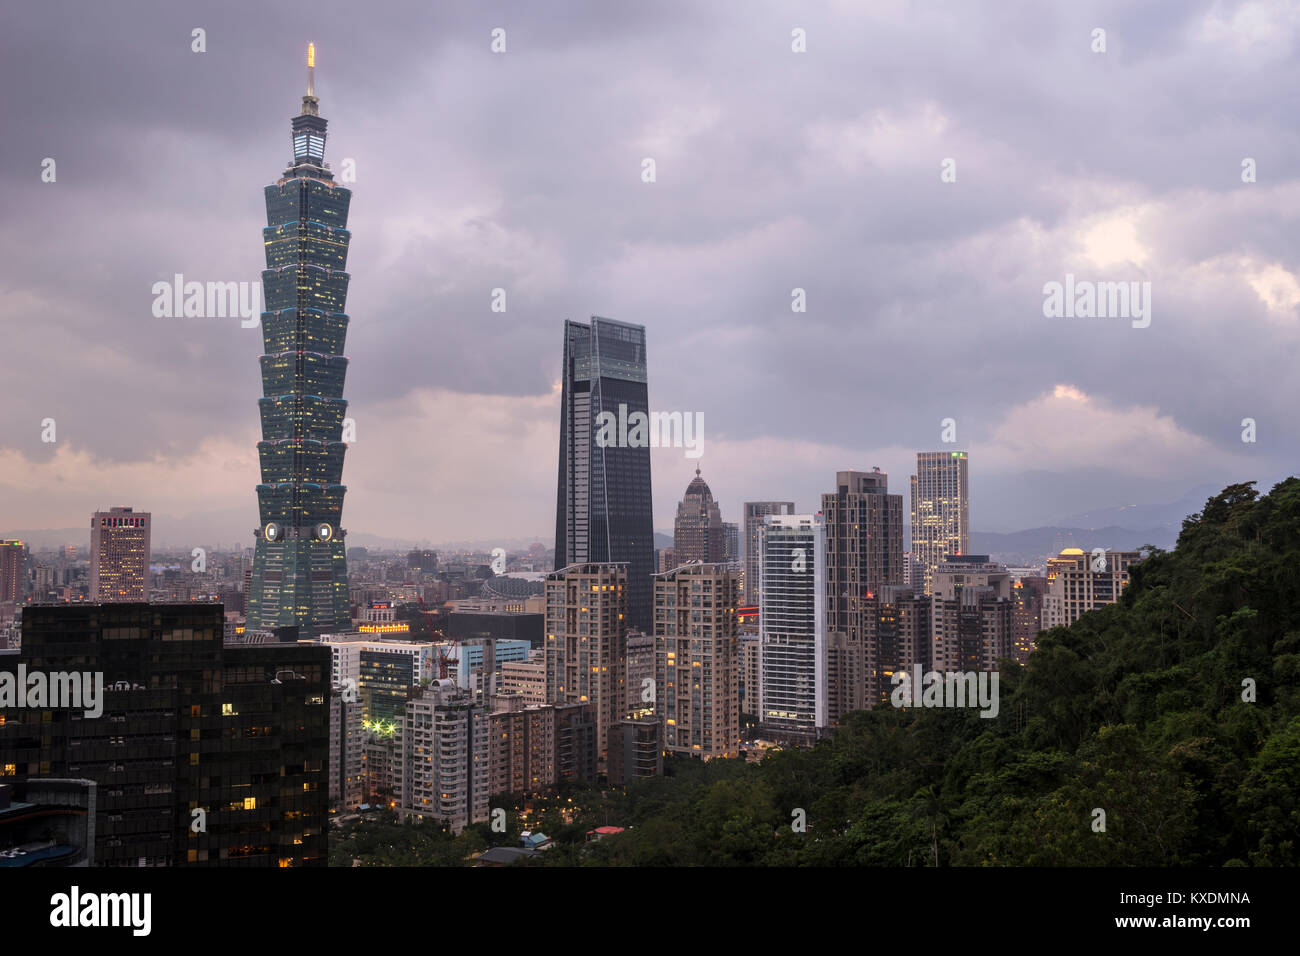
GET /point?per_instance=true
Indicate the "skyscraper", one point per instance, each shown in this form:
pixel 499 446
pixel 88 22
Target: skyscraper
pixel 940 510
pixel 755 511
pixel 603 509
pixel 792 619
pixel 864 541
pixel 11 571
pixel 864 554
pixel 300 574
pixel 697 533
pixel 119 555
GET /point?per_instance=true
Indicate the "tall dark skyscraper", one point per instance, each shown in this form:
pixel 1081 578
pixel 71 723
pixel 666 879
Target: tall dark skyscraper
pixel 300 573
pixel 603 509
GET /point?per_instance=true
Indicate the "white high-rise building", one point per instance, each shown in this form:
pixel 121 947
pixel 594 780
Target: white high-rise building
pixel 792 622
pixel 755 512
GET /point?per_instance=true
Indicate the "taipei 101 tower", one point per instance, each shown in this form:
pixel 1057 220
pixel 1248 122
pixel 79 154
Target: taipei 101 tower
pixel 300 575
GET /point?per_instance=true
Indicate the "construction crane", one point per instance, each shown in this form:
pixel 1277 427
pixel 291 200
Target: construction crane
pixel 445 657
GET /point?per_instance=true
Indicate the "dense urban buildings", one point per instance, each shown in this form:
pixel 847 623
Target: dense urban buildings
pixel 603 509
pixel 183 724
pixel 697 532
pixel 940 510
pixel 586 643
pixel 300 577
pixel 792 622
pixel 697 663
pixel 755 512
pixel 119 555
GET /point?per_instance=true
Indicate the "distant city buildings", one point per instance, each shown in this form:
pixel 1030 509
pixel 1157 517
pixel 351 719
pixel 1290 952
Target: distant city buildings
pixel 119 555
pixel 940 510
pixel 422 560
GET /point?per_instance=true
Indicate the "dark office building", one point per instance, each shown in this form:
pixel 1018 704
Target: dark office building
pixel 183 724
pixel 603 507
pixel 422 560
pixel 498 625
pixel 636 750
pixel 300 575
pixel 575 743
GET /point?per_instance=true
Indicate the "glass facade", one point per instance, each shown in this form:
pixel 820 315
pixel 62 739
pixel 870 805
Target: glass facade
pixel 603 509
pixel 299 569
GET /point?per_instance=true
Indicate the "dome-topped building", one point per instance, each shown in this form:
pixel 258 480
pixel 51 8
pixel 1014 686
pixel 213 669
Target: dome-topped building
pixel 698 534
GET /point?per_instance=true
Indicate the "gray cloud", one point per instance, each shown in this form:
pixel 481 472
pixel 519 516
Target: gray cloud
pixel 775 170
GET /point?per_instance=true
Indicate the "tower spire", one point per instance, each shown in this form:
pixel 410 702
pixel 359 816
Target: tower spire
pixel 309 130
pixel 310 103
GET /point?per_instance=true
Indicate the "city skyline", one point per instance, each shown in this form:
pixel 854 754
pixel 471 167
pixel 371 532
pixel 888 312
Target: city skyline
pixel 1076 414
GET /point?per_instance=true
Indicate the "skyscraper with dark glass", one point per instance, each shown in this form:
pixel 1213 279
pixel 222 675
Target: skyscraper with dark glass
pixel 299 570
pixel 603 509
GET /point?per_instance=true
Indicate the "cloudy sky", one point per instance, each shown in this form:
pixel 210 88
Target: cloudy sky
pixel 774 170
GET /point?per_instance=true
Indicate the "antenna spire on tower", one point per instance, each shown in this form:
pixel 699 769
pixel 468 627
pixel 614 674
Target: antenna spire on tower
pixel 311 69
